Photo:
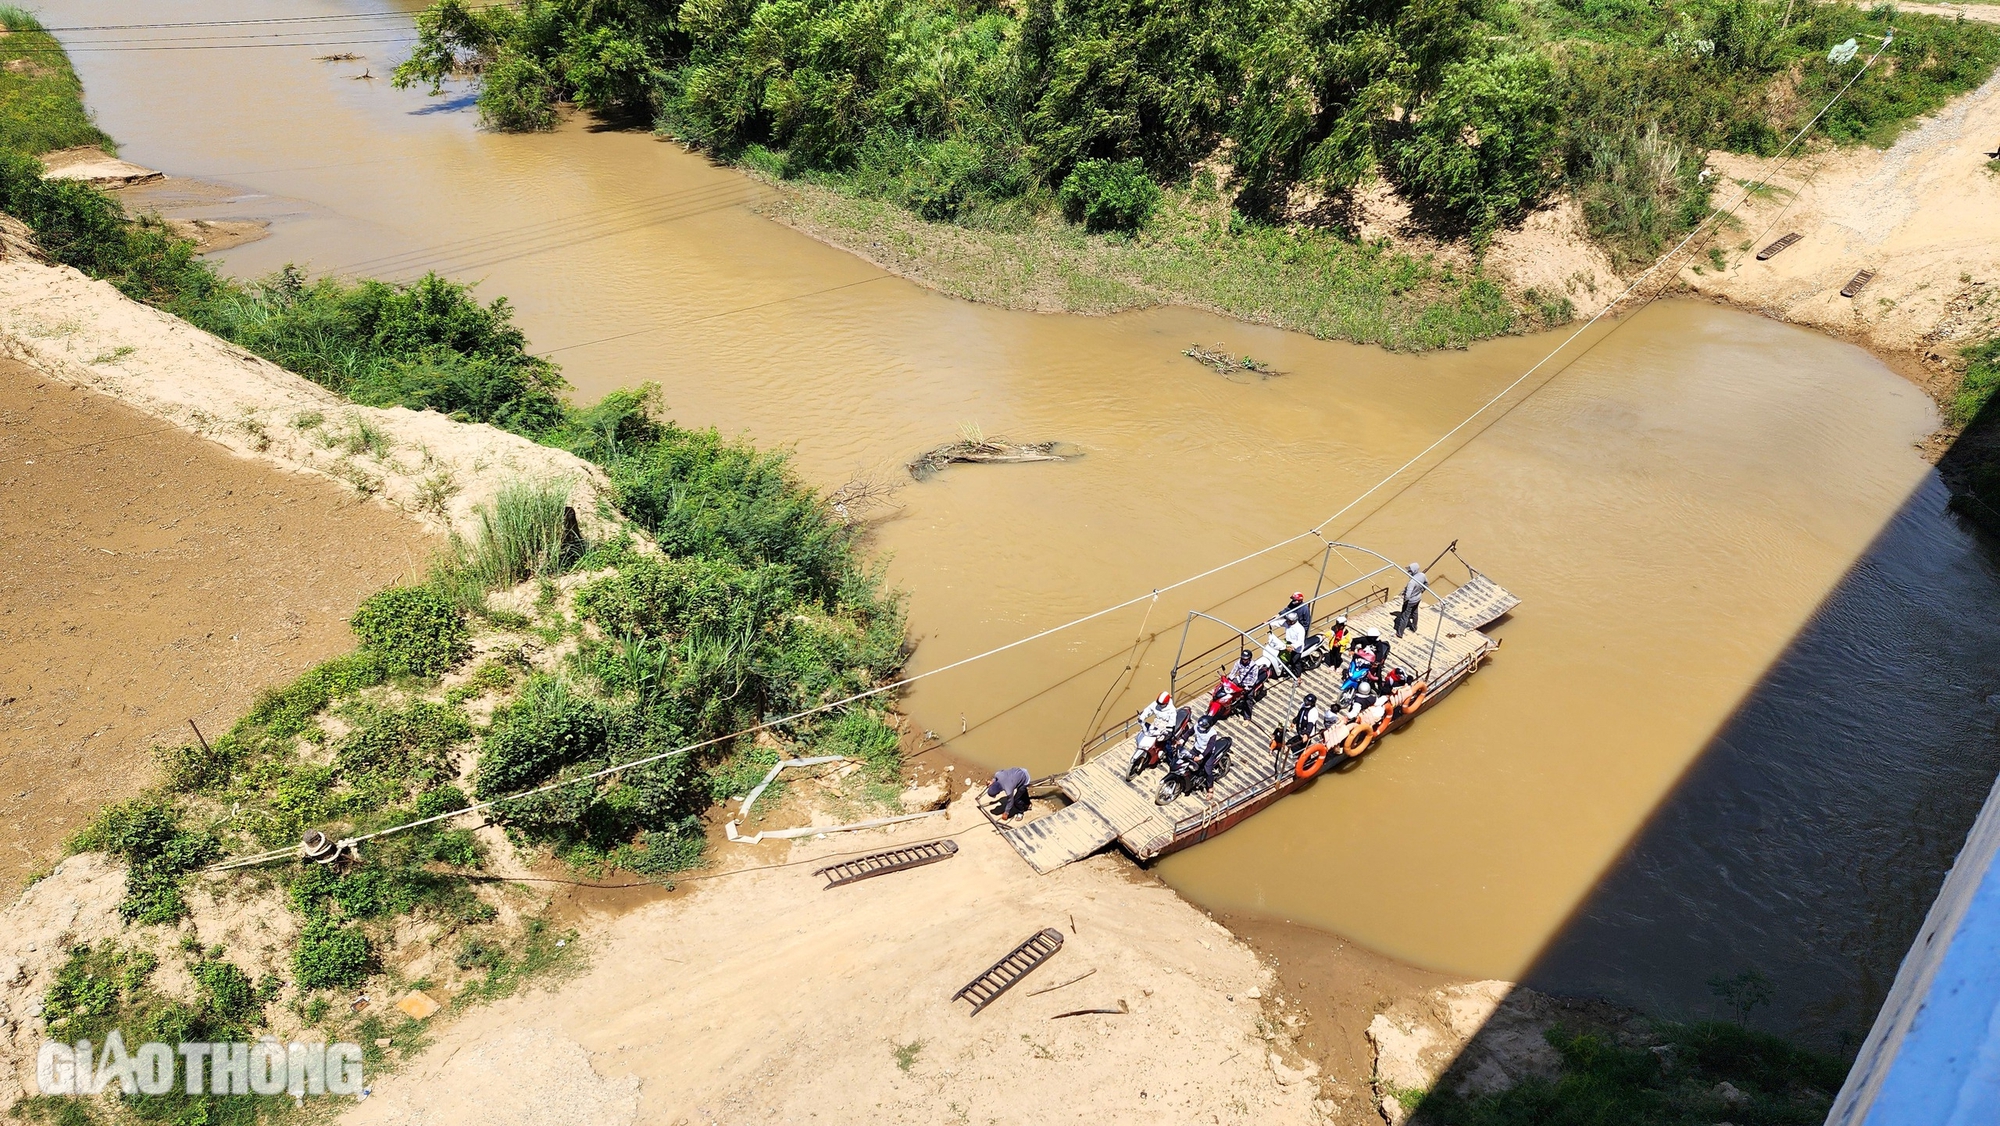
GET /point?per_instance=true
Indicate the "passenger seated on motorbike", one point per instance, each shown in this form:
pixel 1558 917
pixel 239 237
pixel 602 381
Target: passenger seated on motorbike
pixel 1205 745
pixel 1245 672
pixel 1156 721
pixel 1272 658
pixel 1298 611
pixel 1283 646
pixel 1371 642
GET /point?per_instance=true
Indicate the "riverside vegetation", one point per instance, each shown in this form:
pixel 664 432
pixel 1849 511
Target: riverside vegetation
pixel 1115 152
pixel 758 603
pixel 459 689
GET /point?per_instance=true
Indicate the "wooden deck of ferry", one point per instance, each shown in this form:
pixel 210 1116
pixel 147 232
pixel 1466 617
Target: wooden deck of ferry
pixel 1104 806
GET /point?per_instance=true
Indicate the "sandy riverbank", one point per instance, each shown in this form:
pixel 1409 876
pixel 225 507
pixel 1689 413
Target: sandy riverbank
pixel 151 578
pixel 1923 214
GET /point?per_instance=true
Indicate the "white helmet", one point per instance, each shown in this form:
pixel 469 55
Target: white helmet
pixel 1372 634
pixel 1415 568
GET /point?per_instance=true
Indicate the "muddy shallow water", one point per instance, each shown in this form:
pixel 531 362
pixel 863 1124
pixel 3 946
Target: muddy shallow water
pixel 1672 509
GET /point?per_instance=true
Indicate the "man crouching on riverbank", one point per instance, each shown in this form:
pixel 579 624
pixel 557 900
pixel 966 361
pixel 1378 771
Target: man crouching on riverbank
pixel 1011 787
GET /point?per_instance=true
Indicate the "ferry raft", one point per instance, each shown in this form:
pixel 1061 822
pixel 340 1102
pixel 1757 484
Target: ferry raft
pixel 1099 804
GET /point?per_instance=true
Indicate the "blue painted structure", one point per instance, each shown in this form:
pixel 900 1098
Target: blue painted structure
pixel 1933 1057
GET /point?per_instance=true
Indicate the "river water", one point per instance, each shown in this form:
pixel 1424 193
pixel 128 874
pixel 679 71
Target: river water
pixel 1673 508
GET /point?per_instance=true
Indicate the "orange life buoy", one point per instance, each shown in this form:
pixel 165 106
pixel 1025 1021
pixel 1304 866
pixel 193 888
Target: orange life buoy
pixel 1312 760
pixel 1420 693
pixel 1358 738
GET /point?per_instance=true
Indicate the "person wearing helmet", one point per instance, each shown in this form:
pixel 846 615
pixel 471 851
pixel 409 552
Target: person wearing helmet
pixel 1159 715
pixel 1312 719
pixel 1248 676
pixel 1413 593
pixel 1377 646
pixel 1209 742
pixel 1156 729
pixel 1297 610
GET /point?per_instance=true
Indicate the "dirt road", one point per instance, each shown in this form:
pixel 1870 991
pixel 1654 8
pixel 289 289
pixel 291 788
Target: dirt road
pixel 762 997
pixel 1923 214
pixel 148 576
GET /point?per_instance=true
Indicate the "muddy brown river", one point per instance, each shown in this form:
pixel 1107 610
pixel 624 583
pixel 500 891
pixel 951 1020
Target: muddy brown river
pixel 1750 637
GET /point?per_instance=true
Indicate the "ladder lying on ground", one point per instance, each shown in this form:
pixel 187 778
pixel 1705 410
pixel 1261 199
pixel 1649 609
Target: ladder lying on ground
pixel 882 863
pixel 1005 973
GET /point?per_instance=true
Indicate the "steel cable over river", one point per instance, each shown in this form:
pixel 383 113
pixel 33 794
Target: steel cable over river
pixel 1675 510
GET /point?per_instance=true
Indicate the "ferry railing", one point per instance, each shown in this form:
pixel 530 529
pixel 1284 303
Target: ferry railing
pixel 1242 639
pixel 1446 679
pixel 1121 731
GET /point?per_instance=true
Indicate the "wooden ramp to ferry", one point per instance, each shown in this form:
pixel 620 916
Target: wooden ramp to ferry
pixel 1104 806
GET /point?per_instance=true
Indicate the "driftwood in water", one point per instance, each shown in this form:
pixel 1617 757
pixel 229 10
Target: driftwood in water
pixel 852 502
pixel 975 446
pixel 343 57
pixel 1225 364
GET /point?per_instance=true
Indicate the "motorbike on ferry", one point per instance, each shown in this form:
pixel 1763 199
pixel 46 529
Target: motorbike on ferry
pixel 1150 747
pixel 1189 769
pixel 1226 699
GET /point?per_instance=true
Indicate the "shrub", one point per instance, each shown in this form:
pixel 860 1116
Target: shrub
pixel 1108 195
pixel 1481 150
pixel 518 95
pixel 414 631
pixel 702 495
pixel 861 734
pixel 148 835
pixel 412 744
pixel 1981 383
pixel 226 995
pixel 525 534
pixel 330 955
pixel 546 728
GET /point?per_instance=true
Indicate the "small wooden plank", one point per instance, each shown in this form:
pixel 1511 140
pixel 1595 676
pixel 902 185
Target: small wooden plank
pixel 1859 282
pixel 1778 247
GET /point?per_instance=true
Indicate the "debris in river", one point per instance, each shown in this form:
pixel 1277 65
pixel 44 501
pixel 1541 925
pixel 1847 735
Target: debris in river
pixel 974 445
pixel 343 57
pixel 1224 363
pixel 853 501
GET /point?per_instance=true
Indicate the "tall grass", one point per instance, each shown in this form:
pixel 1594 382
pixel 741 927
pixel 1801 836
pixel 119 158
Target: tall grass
pixel 41 100
pixel 522 535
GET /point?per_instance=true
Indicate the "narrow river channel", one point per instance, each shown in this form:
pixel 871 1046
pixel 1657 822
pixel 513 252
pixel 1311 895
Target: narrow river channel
pixel 1673 509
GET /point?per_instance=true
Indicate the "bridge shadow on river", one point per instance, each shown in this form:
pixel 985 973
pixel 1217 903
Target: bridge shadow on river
pixel 1850 773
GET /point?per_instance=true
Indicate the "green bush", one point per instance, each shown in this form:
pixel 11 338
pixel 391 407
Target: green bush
pixel 413 630
pixel 525 534
pixel 704 496
pixel 411 745
pixel 226 996
pixel 861 734
pixel 1982 381
pixel 330 956
pixel 547 727
pixel 147 833
pixel 1483 149
pixel 1108 195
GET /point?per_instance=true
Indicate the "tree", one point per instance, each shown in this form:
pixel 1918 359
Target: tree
pixel 1482 150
